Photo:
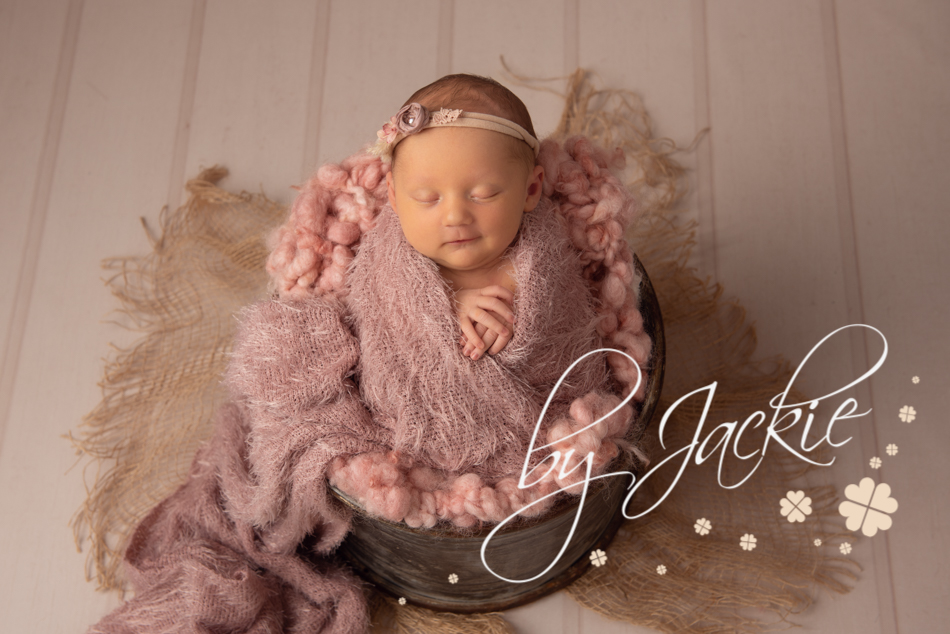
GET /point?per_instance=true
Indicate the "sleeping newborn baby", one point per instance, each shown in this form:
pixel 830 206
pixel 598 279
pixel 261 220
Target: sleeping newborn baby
pixel 460 194
pixel 470 258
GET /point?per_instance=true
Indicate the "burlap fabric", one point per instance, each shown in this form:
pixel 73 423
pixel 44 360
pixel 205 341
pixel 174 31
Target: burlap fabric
pixel 158 397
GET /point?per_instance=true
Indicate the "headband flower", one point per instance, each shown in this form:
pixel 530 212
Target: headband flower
pixel 412 118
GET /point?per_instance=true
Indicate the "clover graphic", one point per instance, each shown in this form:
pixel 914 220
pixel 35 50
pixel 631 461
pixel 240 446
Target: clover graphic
pixel 795 506
pixel 598 557
pixel 868 507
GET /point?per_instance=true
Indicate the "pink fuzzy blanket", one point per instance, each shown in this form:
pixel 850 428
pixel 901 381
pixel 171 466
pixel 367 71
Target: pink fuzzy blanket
pixel 355 373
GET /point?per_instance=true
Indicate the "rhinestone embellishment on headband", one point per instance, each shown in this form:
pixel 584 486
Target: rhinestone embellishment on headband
pixel 410 119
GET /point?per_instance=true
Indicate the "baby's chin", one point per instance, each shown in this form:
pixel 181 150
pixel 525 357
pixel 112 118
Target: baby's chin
pixel 469 265
pixel 477 274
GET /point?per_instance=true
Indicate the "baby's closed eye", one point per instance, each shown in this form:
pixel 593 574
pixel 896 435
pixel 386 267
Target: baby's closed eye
pixel 484 194
pixel 426 198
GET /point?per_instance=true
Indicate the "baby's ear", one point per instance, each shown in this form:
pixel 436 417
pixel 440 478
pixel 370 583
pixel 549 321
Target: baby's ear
pixel 535 189
pixel 391 189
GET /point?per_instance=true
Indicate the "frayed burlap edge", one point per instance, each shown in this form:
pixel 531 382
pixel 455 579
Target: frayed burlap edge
pixel 391 618
pixel 158 397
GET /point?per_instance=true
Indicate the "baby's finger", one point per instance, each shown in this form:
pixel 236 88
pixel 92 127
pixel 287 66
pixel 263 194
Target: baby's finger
pixel 500 292
pixel 468 329
pixel 496 305
pixel 498 344
pixel 490 320
pixel 470 349
pixel 490 338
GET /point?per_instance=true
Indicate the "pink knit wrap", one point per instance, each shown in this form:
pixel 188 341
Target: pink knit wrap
pixel 196 566
pixel 354 372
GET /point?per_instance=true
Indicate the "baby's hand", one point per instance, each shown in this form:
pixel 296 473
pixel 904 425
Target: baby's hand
pixel 487 336
pixel 482 315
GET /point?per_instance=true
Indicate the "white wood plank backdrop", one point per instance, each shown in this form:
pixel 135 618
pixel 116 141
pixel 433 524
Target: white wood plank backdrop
pixel 820 194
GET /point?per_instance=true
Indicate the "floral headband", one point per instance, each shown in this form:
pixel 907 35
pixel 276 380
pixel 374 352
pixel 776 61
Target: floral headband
pixel 414 118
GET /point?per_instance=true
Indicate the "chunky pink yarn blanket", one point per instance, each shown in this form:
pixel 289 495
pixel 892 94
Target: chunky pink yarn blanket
pixel 352 375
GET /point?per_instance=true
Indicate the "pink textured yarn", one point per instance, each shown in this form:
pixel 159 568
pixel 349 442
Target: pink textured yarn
pixel 331 211
pixel 598 209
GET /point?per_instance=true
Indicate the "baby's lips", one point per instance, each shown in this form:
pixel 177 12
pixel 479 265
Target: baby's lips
pixel 459 238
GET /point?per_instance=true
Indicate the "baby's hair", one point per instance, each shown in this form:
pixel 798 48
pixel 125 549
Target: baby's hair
pixel 479 94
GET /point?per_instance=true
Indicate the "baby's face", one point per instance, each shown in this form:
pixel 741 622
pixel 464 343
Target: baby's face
pixel 460 194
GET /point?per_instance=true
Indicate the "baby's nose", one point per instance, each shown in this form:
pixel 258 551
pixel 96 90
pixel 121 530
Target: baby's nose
pixel 456 211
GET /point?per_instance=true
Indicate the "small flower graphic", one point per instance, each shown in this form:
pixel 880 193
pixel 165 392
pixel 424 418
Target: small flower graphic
pixel 703 526
pixel 817 542
pixel 402 600
pixel 795 506
pixel 868 507
pixel 845 548
pixel 875 462
pixel 598 557
pixel 661 569
pixel 453 578
pixel 747 542
pixel 891 449
pixel 908 414
pixel 916 380
pixel 444 116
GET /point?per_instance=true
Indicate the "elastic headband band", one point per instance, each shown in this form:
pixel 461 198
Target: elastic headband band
pixel 415 118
